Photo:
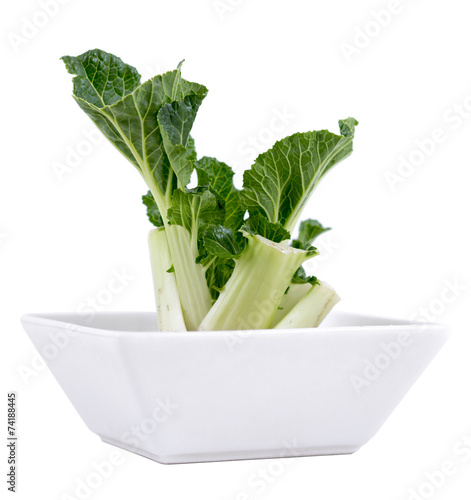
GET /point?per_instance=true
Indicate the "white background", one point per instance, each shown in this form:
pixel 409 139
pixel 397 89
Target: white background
pixel 401 235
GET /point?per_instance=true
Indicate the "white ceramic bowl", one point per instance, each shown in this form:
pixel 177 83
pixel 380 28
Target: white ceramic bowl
pixel 206 396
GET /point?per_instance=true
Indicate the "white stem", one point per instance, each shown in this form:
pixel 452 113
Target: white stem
pixel 191 280
pixel 254 291
pixel 312 308
pixel 294 294
pixel 169 311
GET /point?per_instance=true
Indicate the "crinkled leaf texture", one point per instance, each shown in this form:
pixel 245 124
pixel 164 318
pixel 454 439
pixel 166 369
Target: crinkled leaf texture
pixel 193 209
pixel 282 179
pixel 258 224
pixel 309 230
pixel 109 91
pixel 218 177
pixel 153 212
pixel 223 242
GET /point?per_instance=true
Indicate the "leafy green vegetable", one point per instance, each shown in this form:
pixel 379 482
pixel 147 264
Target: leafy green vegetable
pixel 281 180
pixel 309 230
pixel 258 224
pixel 193 208
pixel 150 125
pixel 176 120
pixel 153 212
pixel 218 275
pixel 223 242
pixel 110 92
pixel 300 277
pixel 221 257
pixel 218 177
pixel 254 291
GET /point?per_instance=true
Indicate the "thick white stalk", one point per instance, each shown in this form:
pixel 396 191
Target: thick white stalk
pixel 194 293
pixel 193 290
pixel 294 294
pixel 255 289
pixel 312 308
pixel 169 311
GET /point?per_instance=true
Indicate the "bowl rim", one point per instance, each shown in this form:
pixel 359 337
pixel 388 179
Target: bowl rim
pixel 385 324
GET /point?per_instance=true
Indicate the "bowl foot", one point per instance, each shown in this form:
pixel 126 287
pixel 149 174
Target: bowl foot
pixel 232 455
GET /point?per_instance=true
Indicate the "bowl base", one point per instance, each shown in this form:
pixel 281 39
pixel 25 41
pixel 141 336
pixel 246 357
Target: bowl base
pixel 233 455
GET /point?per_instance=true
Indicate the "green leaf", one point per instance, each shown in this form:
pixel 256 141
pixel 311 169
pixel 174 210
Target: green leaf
pixel 218 275
pixel 176 120
pixel 191 149
pixel 218 176
pixel 300 277
pixel 193 209
pixel 153 212
pixel 109 92
pixel 281 180
pixel 309 230
pixel 235 210
pixel 258 224
pixel 223 242
pixel 102 78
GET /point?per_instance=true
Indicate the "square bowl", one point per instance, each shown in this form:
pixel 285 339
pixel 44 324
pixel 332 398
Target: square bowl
pixel 210 396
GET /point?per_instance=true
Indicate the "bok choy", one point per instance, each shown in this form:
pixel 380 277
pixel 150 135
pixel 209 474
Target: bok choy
pixel 222 258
